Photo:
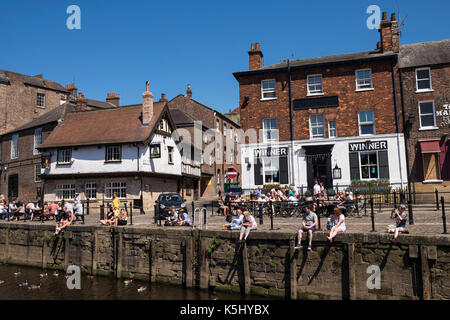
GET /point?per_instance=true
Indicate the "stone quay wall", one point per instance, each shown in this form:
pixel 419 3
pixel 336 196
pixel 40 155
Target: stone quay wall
pixel 416 268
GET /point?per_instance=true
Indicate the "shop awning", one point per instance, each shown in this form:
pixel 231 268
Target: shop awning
pixel 430 147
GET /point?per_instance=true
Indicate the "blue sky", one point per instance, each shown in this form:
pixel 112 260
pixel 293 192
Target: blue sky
pixel 122 44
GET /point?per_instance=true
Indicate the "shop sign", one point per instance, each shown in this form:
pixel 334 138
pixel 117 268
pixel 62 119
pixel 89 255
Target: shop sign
pixel 367 146
pixel 271 152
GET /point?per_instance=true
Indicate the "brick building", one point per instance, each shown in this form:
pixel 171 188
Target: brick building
pixel 425 78
pixel 24 98
pixel 20 160
pixel 316 115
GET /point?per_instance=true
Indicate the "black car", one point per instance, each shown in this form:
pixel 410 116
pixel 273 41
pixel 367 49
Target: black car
pixel 168 200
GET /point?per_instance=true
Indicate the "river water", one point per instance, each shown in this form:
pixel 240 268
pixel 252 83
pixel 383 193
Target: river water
pixel 26 283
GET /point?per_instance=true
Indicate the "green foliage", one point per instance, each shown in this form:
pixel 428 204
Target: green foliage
pixel 308 193
pixel 331 192
pixel 214 245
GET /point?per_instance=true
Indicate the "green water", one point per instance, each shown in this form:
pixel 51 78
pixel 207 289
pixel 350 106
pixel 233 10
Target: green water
pixel 13 287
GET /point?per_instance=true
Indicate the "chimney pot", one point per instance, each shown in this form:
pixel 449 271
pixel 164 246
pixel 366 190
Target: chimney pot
pixel 384 16
pixel 393 17
pixel 163 98
pixel 255 56
pixel 80 104
pixel 73 91
pixel 113 98
pixel 189 91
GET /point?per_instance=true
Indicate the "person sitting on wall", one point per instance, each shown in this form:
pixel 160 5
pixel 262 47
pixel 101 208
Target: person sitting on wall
pixel 115 205
pixel 3 210
pixel 35 210
pixel 79 211
pixel 184 219
pixel 172 218
pixel 401 216
pixel 13 210
pixel 339 227
pixel 66 220
pixel 109 218
pixel 309 224
pixel 248 224
pixel 122 220
pixel 331 221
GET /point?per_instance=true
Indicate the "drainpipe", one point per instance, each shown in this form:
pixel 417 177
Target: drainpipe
pixel 291 122
pixel 396 121
pixel 405 134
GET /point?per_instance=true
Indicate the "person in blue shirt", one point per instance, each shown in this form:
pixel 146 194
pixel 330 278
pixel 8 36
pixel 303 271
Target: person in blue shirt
pixel 184 219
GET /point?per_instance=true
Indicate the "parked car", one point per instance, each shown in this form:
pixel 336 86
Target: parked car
pixel 168 200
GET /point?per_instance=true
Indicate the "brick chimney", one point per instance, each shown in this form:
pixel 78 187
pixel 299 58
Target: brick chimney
pixel 81 104
pixel 163 98
pixel 147 106
pixel 113 98
pixel 40 76
pixel 73 91
pixel 255 57
pixel 389 34
pixel 189 91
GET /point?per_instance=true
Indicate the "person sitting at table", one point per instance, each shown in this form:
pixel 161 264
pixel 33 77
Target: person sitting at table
pixel 223 209
pixel 34 210
pixel 46 211
pixel 3 210
pixel 122 220
pixel 52 208
pixel 13 210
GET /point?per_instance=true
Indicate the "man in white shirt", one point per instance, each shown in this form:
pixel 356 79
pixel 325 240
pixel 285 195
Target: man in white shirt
pixel 316 188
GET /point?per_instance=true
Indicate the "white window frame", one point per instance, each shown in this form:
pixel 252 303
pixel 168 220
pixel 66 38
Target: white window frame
pixel 37 172
pixel 39 94
pixel 335 129
pixel 361 165
pixel 89 189
pixel 417 81
pixel 65 189
pixel 315 92
pixel 264 91
pixel 170 155
pixel 366 123
pixel 62 100
pixel 37 133
pixel 264 168
pixel 115 186
pixel 217 125
pixel 15 146
pixel 271 130
pixel 371 80
pixel 64 151
pixel 113 153
pixel 311 126
pixel 420 116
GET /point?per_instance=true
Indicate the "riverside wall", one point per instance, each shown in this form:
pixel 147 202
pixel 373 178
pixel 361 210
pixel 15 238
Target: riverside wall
pixel 418 267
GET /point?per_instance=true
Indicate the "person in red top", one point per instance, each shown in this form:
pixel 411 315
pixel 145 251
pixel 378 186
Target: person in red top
pixel 52 208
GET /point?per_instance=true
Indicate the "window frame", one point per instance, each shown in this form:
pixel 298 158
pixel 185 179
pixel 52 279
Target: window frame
pixel 335 129
pixel 65 187
pixel 368 165
pixel 271 129
pixel 420 116
pixel 40 94
pixel 264 169
pixel 366 123
pixel 37 177
pixel 417 80
pixel 89 188
pixel 311 136
pixel 118 188
pixel 113 160
pixel 170 155
pixel 14 146
pixel 58 160
pixel 263 91
pixel 315 93
pixel 371 80
pixel 35 145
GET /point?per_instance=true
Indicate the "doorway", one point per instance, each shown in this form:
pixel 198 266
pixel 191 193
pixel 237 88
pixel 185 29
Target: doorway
pixel 13 186
pixel 318 165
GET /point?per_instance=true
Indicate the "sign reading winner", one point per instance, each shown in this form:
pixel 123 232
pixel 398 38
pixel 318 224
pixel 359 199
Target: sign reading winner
pixel 271 152
pixel 367 146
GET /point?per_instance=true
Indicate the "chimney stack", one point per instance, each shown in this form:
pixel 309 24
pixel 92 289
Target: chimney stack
pixel 255 57
pixel 189 91
pixel 147 106
pixel 389 34
pixel 40 76
pixel 113 98
pixel 81 104
pixel 73 91
pixel 163 98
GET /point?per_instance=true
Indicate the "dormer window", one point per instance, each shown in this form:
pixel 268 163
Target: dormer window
pixel 164 125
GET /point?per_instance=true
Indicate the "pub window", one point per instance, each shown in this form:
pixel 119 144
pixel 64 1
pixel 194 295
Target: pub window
pixel 113 153
pixel 65 191
pixel 366 122
pixel 37 140
pixel 426 115
pixel 37 172
pixel 15 146
pixel 314 84
pixel 363 79
pixel 41 100
pixel 369 165
pixel 271 167
pixel 268 89
pixel 118 187
pixel 316 125
pixel 423 79
pixel 270 129
pixel 170 154
pixel 64 156
pixel 90 190
pixel 332 130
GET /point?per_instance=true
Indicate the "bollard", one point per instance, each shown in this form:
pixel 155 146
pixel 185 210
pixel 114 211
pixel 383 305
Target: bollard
pixel 131 213
pixel 212 208
pixel 365 206
pixel 410 212
pixel 204 218
pixel 372 216
pixel 271 216
pixel 156 214
pixel 395 200
pixel 318 220
pixel 356 203
pixel 260 208
pixel 87 206
pixel 193 215
pixel 444 219
pixel 379 204
pixel 436 192
pixel 102 212
pixel 125 207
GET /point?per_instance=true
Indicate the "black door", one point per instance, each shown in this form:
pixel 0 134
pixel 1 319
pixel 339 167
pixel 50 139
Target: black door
pixel 13 186
pixel 318 165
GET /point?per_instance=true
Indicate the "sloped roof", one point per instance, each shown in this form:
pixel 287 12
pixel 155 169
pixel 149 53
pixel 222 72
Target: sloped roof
pixel 424 54
pixel 32 81
pixel 100 104
pixel 51 116
pixel 119 125
pixel 180 117
pixel 3 77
